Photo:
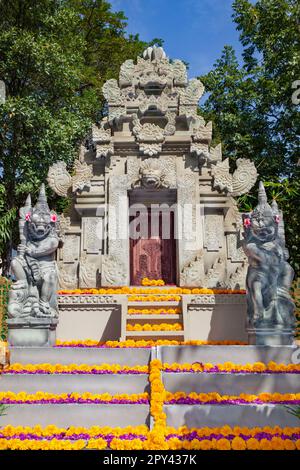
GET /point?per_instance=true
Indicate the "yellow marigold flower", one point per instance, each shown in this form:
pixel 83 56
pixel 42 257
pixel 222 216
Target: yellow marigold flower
pixel 265 444
pixel 223 444
pixel 238 443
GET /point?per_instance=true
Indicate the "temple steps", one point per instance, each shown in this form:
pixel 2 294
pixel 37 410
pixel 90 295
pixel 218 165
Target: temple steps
pixel 230 384
pixel 77 355
pixel 76 383
pixel 199 416
pixel 154 319
pixel 65 415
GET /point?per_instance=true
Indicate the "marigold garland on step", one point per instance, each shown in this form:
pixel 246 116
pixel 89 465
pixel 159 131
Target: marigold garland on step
pixel 158 327
pixel 140 290
pixel 231 368
pixel 152 282
pixel 182 398
pixel 75 369
pixel 131 343
pixel 154 311
pixel 136 438
pixel 10 398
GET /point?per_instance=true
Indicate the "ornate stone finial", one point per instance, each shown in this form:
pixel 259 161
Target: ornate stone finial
pixel 238 183
pixel 42 204
pixel 60 180
pixel 271 318
pixel 154 53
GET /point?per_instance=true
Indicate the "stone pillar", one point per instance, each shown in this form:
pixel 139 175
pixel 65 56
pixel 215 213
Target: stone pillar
pixel 115 264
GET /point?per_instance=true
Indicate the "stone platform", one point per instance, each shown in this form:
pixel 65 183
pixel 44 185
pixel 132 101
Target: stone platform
pixel 177 415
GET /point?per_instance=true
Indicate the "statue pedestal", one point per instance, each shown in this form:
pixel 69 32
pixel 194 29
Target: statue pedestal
pixel 270 336
pixel 35 332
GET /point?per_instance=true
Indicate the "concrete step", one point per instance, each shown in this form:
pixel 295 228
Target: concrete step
pixel 155 335
pixel 64 383
pixel 231 384
pixel 152 304
pixel 199 416
pixel 73 355
pixel 221 354
pixel 66 415
pixel 160 317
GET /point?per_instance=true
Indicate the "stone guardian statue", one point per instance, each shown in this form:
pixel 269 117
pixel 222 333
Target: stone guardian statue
pixel 32 306
pixel 270 308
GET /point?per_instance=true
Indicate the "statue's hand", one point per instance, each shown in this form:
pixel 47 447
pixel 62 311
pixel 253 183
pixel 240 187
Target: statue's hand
pixel 28 251
pixel 21 249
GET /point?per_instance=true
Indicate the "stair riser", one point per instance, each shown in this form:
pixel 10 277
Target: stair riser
pixel 232 384
pixel 199 416
pixel 60 383
pixel 90 356
pixel 221 354
pixel 76 415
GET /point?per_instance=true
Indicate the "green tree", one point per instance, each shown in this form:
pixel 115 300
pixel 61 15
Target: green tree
pixel 54 57
pixel 252 108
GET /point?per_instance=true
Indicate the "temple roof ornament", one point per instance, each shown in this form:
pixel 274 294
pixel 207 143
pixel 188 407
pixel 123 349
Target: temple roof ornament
pixel 238 183
pixel 60 180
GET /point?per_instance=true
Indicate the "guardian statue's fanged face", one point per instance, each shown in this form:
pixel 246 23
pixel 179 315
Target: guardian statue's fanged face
pixel 40 219
pixel 262 224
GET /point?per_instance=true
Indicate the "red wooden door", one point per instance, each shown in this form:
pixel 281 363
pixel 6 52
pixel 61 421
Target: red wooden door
pixel 153 255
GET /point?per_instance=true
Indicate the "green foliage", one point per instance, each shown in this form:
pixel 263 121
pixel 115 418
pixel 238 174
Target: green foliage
pixel 54 57
pixel 251 104
pixel 3 408
pixel 295 411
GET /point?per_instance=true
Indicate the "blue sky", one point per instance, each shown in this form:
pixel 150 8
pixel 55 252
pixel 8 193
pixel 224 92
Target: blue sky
pixel 193 30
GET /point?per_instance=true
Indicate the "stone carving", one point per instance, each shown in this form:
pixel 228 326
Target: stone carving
pixel 269 276
pixel 70 250
pixel 67 275
pixel 100 141
pixel 218 299
pixel 60 181
pixel 237 279
pixel 215 153
pixel 87 272
pixel 203 133
pixel 213 232
pixel 126 72
pixel 65 300
pixel 64 224
pixel 91 231
pixel 33 295
pixel 150 137
pixel 215 275
pixel 112 92
pixel 201 150
pixel 154 173
pixel 242 180
pixel 234 248
pixel 192 274
pixel 113 272
pixel 180 74
pixel 192 93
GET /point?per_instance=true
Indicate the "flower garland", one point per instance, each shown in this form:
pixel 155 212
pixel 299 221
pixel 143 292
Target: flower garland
pixel 131 343
pixel 77 369
pixel 140 290
pixel 152 282
pixel 154 298
pixel 213 398
pixel 10 398
pixel 154 311
pixel 156 438
pixel 135 438
pixel 157 327
pixel 231 368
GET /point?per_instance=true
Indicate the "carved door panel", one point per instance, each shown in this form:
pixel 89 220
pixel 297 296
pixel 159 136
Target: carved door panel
pixel 152 255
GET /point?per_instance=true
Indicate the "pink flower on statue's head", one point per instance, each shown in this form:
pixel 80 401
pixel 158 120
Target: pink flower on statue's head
pixel 247 222
pixel 27 216
pixel 53 218
pixel 277 219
